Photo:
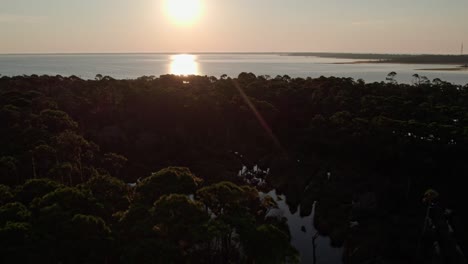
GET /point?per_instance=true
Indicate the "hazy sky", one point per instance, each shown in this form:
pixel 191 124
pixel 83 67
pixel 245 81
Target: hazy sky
pixel 397 26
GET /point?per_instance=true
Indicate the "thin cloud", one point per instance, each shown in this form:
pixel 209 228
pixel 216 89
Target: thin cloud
pixel 378 22
pixel 368 22
pixel 23 19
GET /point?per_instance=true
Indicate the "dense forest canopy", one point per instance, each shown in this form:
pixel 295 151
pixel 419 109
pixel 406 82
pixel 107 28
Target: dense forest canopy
pixel 96 171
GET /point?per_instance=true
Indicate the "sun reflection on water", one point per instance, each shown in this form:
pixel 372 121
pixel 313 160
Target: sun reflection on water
pixel 184 64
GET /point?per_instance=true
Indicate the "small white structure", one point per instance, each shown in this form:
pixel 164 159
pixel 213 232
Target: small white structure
pixel 244 170
pixel 134 184
pixel 191 197
pixel 255 168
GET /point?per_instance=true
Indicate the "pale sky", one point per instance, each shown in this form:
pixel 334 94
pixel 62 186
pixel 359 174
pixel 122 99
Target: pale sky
pixel 381 26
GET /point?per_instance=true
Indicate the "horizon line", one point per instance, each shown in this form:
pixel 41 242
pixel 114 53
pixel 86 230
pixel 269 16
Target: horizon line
pixel 221 52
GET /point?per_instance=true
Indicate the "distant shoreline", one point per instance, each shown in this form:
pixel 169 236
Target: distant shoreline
pixel 460 68
pixel 456 67
pixel 460 62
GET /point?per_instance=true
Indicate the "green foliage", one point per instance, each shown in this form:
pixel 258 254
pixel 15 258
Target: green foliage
pixel 44 157
pixel 392 140
pixel 268 244
pixel 171 221
pixel 68 199
pixel 234 209
pixel 167 181
pixel 218 196
pixel 10 115
pixel 14 212
pixel 5 194
pixel 71 146
pixel 63 172
pixel 36 188
pixel 114 163
pixel 56 121
pixel 110 192
pixel 90 230
pixel 8 170
pixel 224 198
pixel 136 222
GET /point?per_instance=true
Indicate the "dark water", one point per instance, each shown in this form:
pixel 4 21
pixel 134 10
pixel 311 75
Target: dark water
pixel 125 66
pixel 302 240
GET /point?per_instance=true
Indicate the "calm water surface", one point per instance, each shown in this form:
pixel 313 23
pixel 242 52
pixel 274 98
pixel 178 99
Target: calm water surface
pixel 126 66
pixel 301 238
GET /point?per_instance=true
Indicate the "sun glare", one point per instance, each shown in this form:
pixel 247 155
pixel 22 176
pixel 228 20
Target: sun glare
pixel 183 11
pixel 184 64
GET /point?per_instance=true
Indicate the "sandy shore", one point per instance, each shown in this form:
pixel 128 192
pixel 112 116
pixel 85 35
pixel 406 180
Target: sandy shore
pixel 445 69
pixel 454 68
pixel 360 62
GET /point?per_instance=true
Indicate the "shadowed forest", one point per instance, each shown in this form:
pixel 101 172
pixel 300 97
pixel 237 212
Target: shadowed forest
pixel 144 170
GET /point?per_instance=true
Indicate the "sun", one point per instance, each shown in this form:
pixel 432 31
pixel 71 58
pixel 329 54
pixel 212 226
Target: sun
pixel 183 11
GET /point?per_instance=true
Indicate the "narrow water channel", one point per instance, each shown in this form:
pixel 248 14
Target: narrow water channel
pixel 302 232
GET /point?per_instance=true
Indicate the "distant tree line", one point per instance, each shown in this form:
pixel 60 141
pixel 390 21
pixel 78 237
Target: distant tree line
pixel 394 58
